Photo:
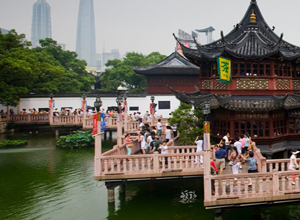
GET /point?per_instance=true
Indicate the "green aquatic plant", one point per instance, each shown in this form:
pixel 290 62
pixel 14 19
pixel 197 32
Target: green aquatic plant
pixel 12 143
pixel 79 139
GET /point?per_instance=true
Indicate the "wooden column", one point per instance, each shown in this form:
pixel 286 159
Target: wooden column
pixel 111 195
pixel 231 132
pixel 119 129
pixel 98 148
pixel 122 189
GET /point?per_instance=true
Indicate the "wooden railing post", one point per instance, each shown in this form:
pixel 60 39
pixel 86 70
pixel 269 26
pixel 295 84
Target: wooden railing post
pixel 275 183
pixel 155 162
pixel 98 148
pixel 207 179
pixel 76 121
pixel 263 165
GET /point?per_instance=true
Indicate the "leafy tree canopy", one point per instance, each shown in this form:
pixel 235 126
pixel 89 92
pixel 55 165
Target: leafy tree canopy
pixel 120 72
pixel 189 123
pixel 40 70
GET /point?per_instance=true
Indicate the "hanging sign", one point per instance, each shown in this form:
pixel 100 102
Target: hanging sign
pixel 224 69
pixel 151 108
pixel 94 124
pixel 102 122
pixel 83 105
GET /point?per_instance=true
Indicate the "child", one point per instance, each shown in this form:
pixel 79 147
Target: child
pixel 128 144
pixel 164 150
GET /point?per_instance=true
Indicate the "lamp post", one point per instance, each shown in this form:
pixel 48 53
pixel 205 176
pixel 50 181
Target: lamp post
pixel 206 127
pixel 98 103
pixel 152 98
pixel 83 105
pixel 51 108
pixel 125 111
pixel 119 100
pixel 98 147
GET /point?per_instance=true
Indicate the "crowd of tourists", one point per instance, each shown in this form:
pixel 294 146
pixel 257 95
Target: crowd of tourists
pixel 151 139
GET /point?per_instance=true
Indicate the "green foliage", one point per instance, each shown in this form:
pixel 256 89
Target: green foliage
pixel 18 69
pixel 121 72
pixel 12 143
pixel 71 76
pixel 189 123
pixel 79 139
pixel 46 69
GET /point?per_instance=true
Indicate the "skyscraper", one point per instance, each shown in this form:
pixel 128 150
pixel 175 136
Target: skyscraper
pixel 86 43
pixel 41 22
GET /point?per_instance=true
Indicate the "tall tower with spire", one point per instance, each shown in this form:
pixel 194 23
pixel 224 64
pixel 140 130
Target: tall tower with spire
pixel 86 43
pixel 41 22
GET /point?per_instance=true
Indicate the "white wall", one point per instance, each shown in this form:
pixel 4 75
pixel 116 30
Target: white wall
pixel 142 102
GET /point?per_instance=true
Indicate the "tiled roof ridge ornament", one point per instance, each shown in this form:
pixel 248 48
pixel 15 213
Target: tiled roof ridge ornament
pixel 253 17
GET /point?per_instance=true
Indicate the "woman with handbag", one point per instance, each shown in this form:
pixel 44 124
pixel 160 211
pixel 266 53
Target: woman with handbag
pixel 235 158
pixel 128 144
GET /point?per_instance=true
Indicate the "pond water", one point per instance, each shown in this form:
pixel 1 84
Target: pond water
pixel 39 181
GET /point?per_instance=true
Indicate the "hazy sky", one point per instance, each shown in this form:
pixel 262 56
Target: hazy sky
pixel 147 25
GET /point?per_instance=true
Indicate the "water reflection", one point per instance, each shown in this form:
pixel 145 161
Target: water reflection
pixel 41 182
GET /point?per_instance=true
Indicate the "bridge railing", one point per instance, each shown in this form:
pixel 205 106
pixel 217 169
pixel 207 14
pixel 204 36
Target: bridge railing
pixel 66 120
pixel 27 118
pixel 278 164
pixel 236 186
pixel 272 182
pixel 4 118
pixel 261 160
pixel 149 163
pixel 230 189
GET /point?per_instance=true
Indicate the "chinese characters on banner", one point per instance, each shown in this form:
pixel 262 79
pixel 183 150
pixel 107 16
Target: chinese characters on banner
pixel 151 108
pixel 102 122
pixel 95 124
pixel 224 69
pixel 83 104
pixel 51 103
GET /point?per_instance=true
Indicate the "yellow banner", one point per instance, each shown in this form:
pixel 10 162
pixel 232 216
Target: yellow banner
pixel 224 69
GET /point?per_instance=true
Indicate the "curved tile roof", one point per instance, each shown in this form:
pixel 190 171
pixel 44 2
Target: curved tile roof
pixel 253 40
pixel 173 64
pixel 240 102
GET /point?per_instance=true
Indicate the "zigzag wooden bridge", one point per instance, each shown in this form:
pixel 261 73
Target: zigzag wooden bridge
pixel 271 185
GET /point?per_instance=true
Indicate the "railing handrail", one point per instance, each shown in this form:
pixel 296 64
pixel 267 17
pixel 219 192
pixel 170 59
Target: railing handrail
pixel 150 155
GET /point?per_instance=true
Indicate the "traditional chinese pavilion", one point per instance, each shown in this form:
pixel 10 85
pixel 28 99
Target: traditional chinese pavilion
pixel 175 71
pixel 264 96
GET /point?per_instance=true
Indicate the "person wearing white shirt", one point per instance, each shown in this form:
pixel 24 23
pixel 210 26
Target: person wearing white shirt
pixel 238 146
pixel 159 127
pixel 199 143
pixel 164 150
pixel 168 133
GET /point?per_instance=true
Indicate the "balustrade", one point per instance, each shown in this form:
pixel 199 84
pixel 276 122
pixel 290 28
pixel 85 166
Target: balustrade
pixel 148 163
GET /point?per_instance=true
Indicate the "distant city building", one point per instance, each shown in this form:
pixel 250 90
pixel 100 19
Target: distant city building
pixel 63 46
pixel 86 43
pixel 114 54
pixel 188 39
pixel 41 22
pixel 4 31
pixel 99 61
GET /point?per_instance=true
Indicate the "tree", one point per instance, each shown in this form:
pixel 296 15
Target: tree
pixel 46 69
pixel 189 123
pixel 18 70
pixel 120 72
pixel 75 78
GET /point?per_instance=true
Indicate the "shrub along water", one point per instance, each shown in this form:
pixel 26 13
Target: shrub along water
pixel 79 139
pixel 12 143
